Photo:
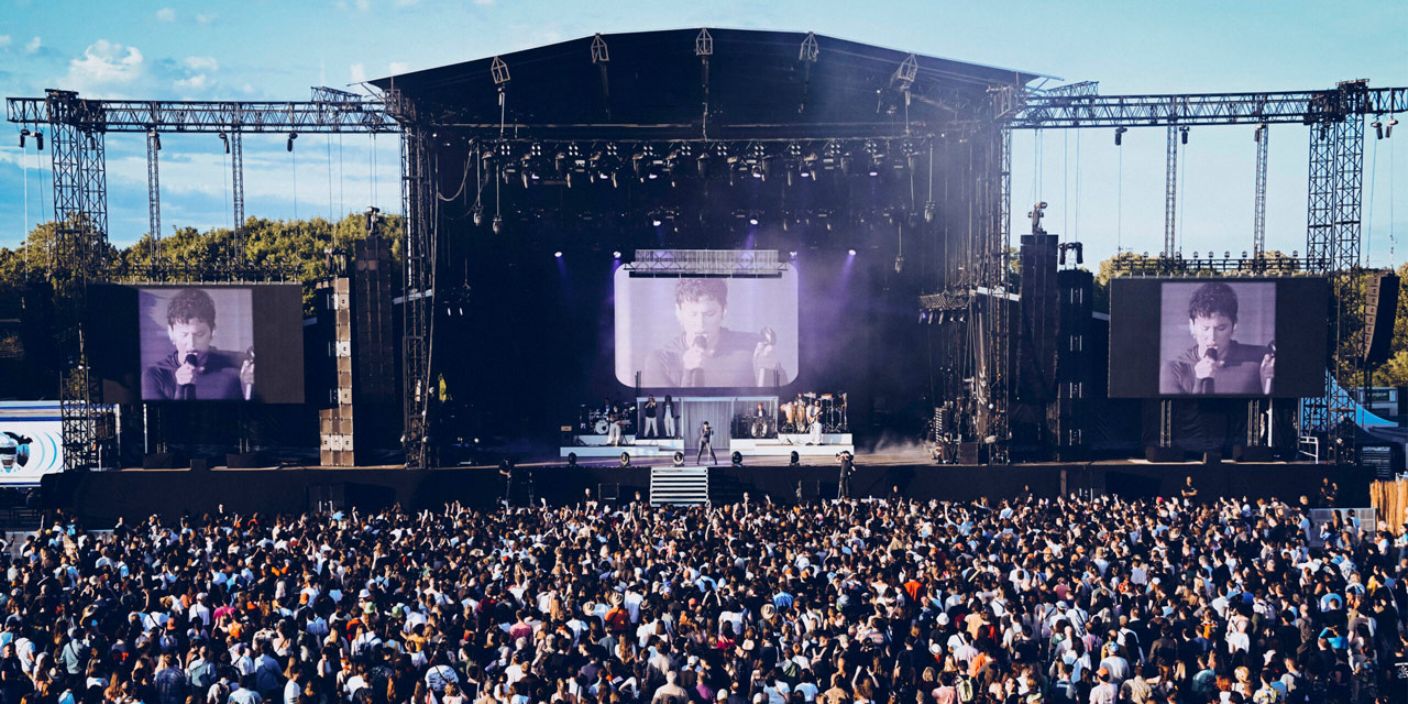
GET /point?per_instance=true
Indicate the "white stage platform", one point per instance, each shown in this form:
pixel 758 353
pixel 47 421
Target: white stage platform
pixel 781 446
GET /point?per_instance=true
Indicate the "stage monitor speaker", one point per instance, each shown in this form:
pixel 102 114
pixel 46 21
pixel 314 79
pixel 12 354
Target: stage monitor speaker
pixel 1163 454
pixel 246 460
pixel 1256 454
pixel 1380 309
pixel 1212 457
pixel 160 460
pixel 200 465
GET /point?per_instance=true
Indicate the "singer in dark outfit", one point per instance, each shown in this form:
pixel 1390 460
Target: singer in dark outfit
pixel 1217 364
pixel 706 354
pixel 194 370
pixel 706 442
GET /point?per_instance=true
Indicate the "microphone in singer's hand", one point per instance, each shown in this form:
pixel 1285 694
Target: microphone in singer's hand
pixel 1205 385
pixel 188 391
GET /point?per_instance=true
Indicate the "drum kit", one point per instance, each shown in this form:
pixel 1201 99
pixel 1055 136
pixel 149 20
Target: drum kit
pixel 830 412
pixel 597 421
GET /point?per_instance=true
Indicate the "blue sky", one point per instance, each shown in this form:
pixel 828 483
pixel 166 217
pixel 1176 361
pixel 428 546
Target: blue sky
pixel 276 50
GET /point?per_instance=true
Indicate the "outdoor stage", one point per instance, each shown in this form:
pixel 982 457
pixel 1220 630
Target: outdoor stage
pixel 99 497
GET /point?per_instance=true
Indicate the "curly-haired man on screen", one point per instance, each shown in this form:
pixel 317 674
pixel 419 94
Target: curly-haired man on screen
pixel 705 353
pixel 1215 363
pixel 194 370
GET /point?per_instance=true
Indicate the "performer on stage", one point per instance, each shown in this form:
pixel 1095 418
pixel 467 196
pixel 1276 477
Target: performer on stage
pixel 814 424
pixel 613 432
pixel 706 442
pixel 651 430
pixel 671 416
pixel 705 353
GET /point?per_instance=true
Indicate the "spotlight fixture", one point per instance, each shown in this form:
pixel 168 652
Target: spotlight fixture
pixel 478 214
pixel 753 220
pixel 1119 135
pixel 851 252
pixel 557 254
pixel 792 254
pixel 224 139
pixel 930 210
pixel 291 136
pixel 616 254
pixel 1388 129
pixel 23 133
pixel 1183 135
pixel 656 221
pixel 1378 129
pixel 39 140
pixel 498 224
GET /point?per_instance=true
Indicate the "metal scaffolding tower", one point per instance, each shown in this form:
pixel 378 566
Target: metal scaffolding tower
pixel 1263 138
pixel 1171 192
pixel 154 199
pixel 418 201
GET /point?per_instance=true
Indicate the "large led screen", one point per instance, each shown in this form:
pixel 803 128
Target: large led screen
pixel 733 332
pixel 198 342
pixel 1218 337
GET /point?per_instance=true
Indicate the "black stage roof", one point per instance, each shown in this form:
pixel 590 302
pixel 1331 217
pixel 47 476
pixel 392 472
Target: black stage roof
pixel 655 82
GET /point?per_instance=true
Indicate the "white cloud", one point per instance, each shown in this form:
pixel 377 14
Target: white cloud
pixel 198 81
pixel 104 66
pixel 359 73
pixel 32 46
pixel 406 3
pixel 205 18
pixel 398 67
pixel 201 63
pixel 166 14
pixel 4 40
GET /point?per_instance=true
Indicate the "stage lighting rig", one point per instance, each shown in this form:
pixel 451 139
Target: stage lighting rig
pixel 156 137
pixel 647 164
pixel 533 165
pixel 571 163
pixel 605 162
pixel 792 161
pixel 224 139
pixel 39 140
pixel 875 153
pixel 23 133
pixel 291 136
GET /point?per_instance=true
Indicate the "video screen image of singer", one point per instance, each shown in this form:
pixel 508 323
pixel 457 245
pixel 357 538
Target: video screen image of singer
pixel 706 332
pixel 197 344
pixel 1227 337
pixel 1217 337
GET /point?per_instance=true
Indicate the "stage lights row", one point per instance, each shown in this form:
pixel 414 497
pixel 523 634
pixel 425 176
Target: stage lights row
pixel 616 254
pixel 573 163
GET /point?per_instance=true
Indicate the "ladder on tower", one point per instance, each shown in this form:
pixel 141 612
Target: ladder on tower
pixel 680 486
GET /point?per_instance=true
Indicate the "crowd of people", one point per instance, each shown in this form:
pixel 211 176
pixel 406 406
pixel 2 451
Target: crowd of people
pixel 1089 600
